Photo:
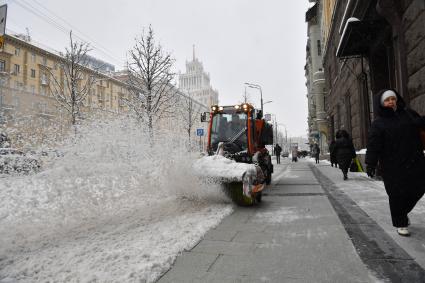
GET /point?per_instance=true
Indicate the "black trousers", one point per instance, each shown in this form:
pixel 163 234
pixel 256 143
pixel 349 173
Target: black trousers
pixel 278 158
pixel 401 205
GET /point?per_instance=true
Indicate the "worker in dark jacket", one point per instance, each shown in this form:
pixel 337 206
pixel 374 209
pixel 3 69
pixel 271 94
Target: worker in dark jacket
pixel 344 151
pixel 316 152
pixel 277 151
pixel 332 154
pixel 394 142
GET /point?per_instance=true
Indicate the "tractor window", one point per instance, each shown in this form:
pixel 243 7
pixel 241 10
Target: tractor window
pixel 229 128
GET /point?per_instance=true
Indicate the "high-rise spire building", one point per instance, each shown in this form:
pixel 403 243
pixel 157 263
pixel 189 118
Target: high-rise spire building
pixel 196 83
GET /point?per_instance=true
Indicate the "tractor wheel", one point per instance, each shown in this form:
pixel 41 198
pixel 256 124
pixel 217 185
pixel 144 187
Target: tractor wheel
pixel 235 191
pixel 268 177
pixel 258 196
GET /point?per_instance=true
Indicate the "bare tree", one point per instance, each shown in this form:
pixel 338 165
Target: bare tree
pixel 73 85
pixel 190 111
pixel 150 80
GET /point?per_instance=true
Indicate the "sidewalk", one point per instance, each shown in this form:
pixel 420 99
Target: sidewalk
pixel 294 235
pixel 370 197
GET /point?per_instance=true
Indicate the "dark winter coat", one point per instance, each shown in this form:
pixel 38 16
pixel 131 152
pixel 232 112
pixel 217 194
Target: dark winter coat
pixel 277 149
pixel 332 152
pixel 344 152
pixel 394 142
pixel 316 151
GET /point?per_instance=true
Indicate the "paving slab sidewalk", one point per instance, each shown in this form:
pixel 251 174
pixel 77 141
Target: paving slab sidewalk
pixel 368 221
pixel 294 235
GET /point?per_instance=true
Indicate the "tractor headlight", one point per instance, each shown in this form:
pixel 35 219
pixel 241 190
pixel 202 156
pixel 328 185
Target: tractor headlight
pixel 220 108
pixel 237 107
pixel 214 108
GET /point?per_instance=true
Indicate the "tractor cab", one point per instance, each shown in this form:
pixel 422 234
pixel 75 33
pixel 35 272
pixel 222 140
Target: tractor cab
pixel 239 129
pixel 229 127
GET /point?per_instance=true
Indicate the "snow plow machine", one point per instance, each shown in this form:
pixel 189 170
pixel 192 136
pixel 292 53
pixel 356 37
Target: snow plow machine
pixel 237 155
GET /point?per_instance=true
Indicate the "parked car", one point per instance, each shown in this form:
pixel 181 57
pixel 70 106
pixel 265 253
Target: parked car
pixel 285 154
pixel 16 161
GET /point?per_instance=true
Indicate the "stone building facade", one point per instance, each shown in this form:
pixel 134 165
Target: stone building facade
pixel 315 81
pixel 195 82
pixel 27 104
pixel 26 83
pixel 372 45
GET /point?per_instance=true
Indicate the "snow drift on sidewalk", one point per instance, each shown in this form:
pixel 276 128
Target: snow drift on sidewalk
pixel 112 208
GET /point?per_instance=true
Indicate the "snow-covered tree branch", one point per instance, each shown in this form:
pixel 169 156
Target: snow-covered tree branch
pixel 190 112
pixel 150 80
pixel 73 85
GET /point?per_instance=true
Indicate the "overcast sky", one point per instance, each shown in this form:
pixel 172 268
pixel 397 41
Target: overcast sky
pixel 261 42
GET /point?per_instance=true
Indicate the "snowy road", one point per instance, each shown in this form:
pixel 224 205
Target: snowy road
pixel 109 210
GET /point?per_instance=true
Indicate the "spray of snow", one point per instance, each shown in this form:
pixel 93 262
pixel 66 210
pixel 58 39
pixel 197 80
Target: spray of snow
pixel 220 167
pixel 112 206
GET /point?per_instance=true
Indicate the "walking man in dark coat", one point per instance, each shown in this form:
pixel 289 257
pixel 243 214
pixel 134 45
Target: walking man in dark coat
pixel 332 154
pixel 394 142
pixel 277 151
pixel 344 151
pixel 316 152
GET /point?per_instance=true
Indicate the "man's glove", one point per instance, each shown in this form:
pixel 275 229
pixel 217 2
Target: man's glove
pixel 370 170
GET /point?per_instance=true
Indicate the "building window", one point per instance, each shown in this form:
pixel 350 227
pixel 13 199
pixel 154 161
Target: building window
pixel 17 51
pixel 19 85
pixel 17 69
pixel 32 73
pixel 33 57
pixel 44 60
pixel 32 88
pixel 44 79
pixel 319 48
pixel 2 66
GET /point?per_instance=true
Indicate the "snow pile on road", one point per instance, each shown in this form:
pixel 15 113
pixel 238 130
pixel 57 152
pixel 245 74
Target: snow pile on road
pixel 220 168
pixel 111 207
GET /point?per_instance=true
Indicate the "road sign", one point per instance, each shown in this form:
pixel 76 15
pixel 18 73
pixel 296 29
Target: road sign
pixel 268 117
pixel 200 132
pixel 3 13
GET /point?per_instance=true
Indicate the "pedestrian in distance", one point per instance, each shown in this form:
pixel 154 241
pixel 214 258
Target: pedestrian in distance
pixel 316 152
pixel 394 143
pixel 332 154
pixel 294 154
pixel 344 151
pixel 277 151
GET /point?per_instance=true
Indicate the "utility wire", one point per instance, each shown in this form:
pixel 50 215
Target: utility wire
pixel 48 19
pixel 52 21
pixel 99 46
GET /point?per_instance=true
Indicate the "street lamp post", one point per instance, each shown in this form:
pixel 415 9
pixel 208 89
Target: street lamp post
pixel 286 134
pixel 261 93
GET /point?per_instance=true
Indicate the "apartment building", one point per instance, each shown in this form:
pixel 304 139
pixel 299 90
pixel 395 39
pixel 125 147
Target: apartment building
pixel 26 82
pixel 315 81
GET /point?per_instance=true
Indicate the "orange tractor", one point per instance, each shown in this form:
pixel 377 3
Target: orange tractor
pixel 237 153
